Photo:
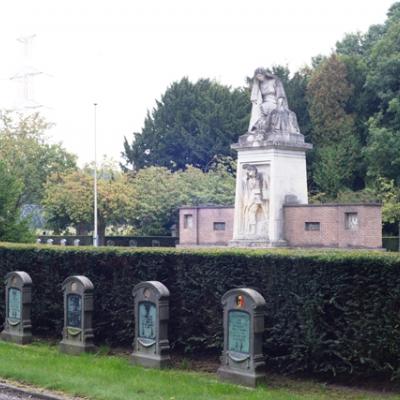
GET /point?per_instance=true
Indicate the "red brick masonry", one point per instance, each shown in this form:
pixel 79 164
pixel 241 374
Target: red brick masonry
pixel 202 231
pixel 333 229
pixel 309 225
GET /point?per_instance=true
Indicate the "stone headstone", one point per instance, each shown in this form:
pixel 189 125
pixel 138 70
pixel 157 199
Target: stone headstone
pixel 49 241
pixel 133 243
pixel 76 242
pixel 38 241
pixel 151 345
pixel 63 242
pixel 155 243
pixel 242 360
pixel 17 327
pixel 78 309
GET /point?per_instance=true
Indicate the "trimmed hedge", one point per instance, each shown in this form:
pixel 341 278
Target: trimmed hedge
pixel 331 313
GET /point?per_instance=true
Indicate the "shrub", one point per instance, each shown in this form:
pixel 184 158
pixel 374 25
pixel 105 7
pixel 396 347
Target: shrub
pixel 331 313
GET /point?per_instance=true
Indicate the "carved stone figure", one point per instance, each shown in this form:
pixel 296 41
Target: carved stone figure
pixel 255 202
pixel 270 112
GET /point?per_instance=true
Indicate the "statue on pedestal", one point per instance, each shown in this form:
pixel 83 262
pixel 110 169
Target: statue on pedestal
pixel 270 112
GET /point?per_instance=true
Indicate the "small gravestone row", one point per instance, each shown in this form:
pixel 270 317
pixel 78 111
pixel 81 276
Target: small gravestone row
pixel 242 358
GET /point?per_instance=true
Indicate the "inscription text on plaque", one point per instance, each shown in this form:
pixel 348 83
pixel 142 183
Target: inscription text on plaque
pixel 239 331
pixel 14 304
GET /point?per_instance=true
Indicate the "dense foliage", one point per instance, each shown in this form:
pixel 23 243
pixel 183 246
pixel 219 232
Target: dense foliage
pixel 27 152
pixel 328 313
pixel 69 199
pixel 146 201
pixel 159 193
pixel 13 227
pixel 191 125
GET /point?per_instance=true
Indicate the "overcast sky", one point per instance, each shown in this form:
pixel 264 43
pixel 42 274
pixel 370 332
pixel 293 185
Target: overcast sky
pixel 124 54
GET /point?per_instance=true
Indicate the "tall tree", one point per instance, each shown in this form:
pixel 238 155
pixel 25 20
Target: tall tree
pixel 68 199
pixel 383 78
pixel 159 193
pixel 12 227
pixel 26 151
pixel 190 125
pixel 333 127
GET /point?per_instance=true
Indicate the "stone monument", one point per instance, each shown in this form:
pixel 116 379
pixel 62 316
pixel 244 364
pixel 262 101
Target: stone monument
pixel 271 166
pixel 151 345
pixel 242 360
pixel 78 310
pixel 17 327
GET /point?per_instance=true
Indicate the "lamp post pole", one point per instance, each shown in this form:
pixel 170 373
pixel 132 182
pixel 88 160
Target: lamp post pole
pixel 95 234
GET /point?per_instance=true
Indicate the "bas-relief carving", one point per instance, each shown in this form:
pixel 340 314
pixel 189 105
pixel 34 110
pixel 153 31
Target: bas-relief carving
pixel 254 207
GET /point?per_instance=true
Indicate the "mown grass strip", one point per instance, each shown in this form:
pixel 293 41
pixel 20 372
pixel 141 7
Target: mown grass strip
pixel 113 378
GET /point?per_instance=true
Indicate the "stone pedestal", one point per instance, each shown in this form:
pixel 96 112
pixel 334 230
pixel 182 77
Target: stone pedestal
pixel 271 172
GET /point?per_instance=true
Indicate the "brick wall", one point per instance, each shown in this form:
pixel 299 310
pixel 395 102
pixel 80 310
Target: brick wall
pixel 203 225
pixel 333 230
pixel 337 227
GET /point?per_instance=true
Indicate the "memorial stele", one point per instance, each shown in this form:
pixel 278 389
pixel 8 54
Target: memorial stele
pixel 78 314
pixel 242 360
pixel 18 326
pixel 271 166
pixel 151 344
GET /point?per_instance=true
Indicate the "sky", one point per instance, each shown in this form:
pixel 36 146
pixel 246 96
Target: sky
pixel 123 54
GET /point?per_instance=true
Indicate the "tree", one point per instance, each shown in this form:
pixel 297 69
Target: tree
pixel 190 125
pixel 383 153
pixel 331 168
pixel 12 227
pixel 328 94
pixel 25 150
pixel 68 199
pixel 159 193
pixel 334 135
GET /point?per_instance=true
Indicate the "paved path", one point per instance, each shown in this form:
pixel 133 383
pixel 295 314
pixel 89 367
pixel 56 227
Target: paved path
pixel 9 395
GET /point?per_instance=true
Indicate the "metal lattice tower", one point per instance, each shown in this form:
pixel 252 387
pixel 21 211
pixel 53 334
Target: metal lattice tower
pixel 25 77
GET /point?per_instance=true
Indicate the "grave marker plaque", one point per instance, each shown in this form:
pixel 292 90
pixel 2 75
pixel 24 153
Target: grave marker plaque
pixel 18 327
pixel 242 360
pixel 78 310
pixel 151 345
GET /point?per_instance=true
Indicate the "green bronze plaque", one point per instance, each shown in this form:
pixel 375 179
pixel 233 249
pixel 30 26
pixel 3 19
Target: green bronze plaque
pixel 147 320
pixel 14 304
pixel 238 331
pixel 74 311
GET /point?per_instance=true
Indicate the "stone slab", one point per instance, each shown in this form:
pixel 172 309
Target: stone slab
pixel 75 349
pixel 241 378
pixel 18 339
pixel 146 361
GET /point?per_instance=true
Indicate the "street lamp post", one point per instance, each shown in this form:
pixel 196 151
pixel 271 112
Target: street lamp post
pixel 95 234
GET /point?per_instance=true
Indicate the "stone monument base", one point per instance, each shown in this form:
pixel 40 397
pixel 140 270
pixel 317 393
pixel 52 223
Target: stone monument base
pixel 18 339
pixel 150 361
pixel 240 377
pixel 76 348
pixel 257 243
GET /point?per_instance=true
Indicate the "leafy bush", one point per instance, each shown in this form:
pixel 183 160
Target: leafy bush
pixel 331 313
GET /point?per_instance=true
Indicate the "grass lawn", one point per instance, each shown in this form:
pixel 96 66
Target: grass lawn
pixel 113 378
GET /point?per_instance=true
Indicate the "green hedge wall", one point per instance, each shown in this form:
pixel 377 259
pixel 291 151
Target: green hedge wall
pixel 331 313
